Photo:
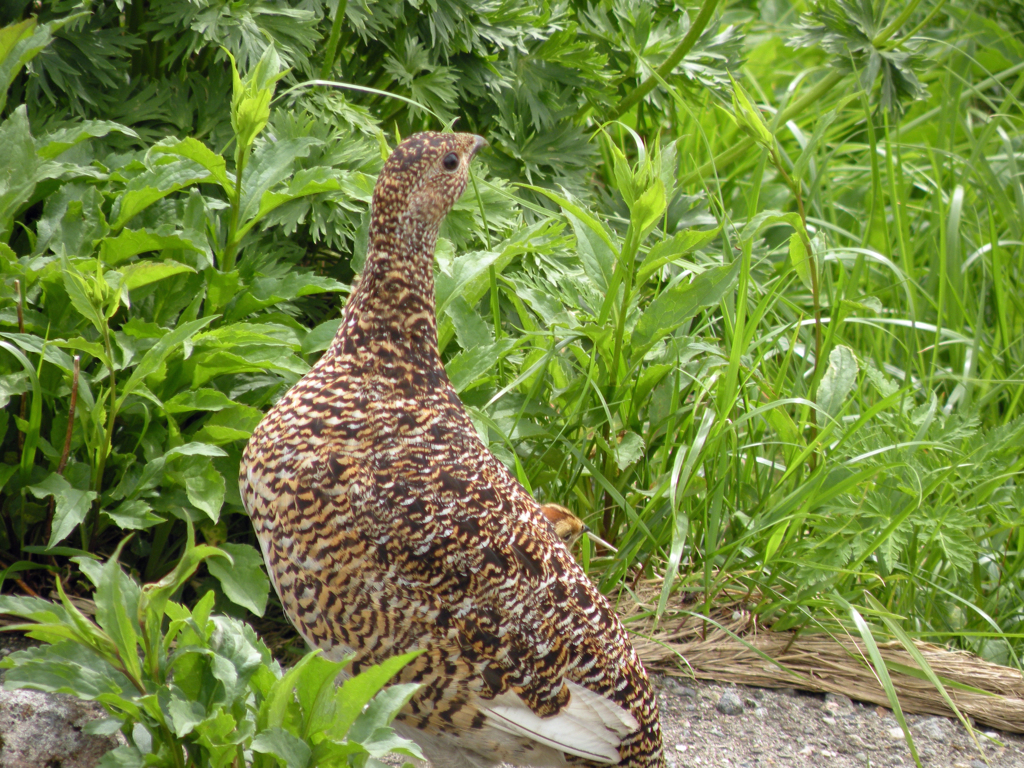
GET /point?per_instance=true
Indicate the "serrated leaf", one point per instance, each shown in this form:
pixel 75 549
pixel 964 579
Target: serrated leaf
pixel 628 450
pixel 243 579
pixel 836 383
pixel 72 505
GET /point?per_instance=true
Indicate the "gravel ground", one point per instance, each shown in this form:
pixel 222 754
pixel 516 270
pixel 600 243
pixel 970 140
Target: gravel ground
pixel 706 724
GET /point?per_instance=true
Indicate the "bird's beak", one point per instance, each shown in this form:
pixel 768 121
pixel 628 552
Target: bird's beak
pixel 479 142
pixel 594 537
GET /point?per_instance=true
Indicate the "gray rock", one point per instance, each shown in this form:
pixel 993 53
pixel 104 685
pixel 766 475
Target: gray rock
pixel 42 730
pixel 837 702
pixel 730 703
pixel 934 728
pixel 979 764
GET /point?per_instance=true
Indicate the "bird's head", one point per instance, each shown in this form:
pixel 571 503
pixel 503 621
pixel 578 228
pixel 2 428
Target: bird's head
pixel 565 524
pixel 422 179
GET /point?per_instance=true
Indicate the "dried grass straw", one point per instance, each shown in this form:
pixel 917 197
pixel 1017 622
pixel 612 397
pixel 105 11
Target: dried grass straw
pixel 733 648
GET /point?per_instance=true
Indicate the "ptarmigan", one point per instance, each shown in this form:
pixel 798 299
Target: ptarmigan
pixel 388 526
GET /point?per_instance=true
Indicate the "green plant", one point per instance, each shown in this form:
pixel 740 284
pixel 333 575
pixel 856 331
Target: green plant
pixel 189 688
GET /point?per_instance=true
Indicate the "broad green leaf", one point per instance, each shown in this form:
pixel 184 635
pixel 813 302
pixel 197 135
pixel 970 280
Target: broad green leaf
pixel 195 449
pixel 680 303
pixel 468 366
pixel 356 692
pixel 86 292
pixel 268 167
pixel 464 269
pixel 122 757
pixel 184 715
pixel 66 667
pixel 669 250
pixel 19 44
pixel 836 383
pixel 195 150
pixel 146 272
pixel 381 711
pixel 243 579
pixel 72 504
pixel 117 610
pixel 596 249
pixel 801 259
pixel 135 515
pixel 153 185
pixel 198 400
pixel 267 291
pixel 315 689
pixel 274 707
pixel 648 208
pixel 56 143
pixel 205 489
pixel 129 242
pixel 320 338
pixel 287 747
pixel 159 352
pixel 470 329
pixel 13 384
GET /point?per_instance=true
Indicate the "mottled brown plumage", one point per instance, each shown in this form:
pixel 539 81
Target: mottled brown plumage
pixel 388 526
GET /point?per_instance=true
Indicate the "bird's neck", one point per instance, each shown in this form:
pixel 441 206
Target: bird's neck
pixel 394 300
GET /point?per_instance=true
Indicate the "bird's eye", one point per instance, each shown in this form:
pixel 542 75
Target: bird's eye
pixel 450 162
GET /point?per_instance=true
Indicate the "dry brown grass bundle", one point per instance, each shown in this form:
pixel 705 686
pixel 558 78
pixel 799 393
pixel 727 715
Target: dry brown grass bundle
pixel 733 648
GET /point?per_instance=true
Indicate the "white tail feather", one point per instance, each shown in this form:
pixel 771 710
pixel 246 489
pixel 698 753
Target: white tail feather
pixel 591 726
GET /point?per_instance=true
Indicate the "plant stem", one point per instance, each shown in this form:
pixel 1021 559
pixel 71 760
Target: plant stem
pixel 23 406
pixel 691 37
pixel 332 43
pixel 883 37
pixel 230 244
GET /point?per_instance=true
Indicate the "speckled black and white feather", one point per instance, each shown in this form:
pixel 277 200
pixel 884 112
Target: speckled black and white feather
pixel 388 526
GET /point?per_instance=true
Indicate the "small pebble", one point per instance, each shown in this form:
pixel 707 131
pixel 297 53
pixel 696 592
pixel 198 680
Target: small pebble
pixel 861 757
pixel 895 732
pixel 978 764
pixel 730 703
pixel 837 702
